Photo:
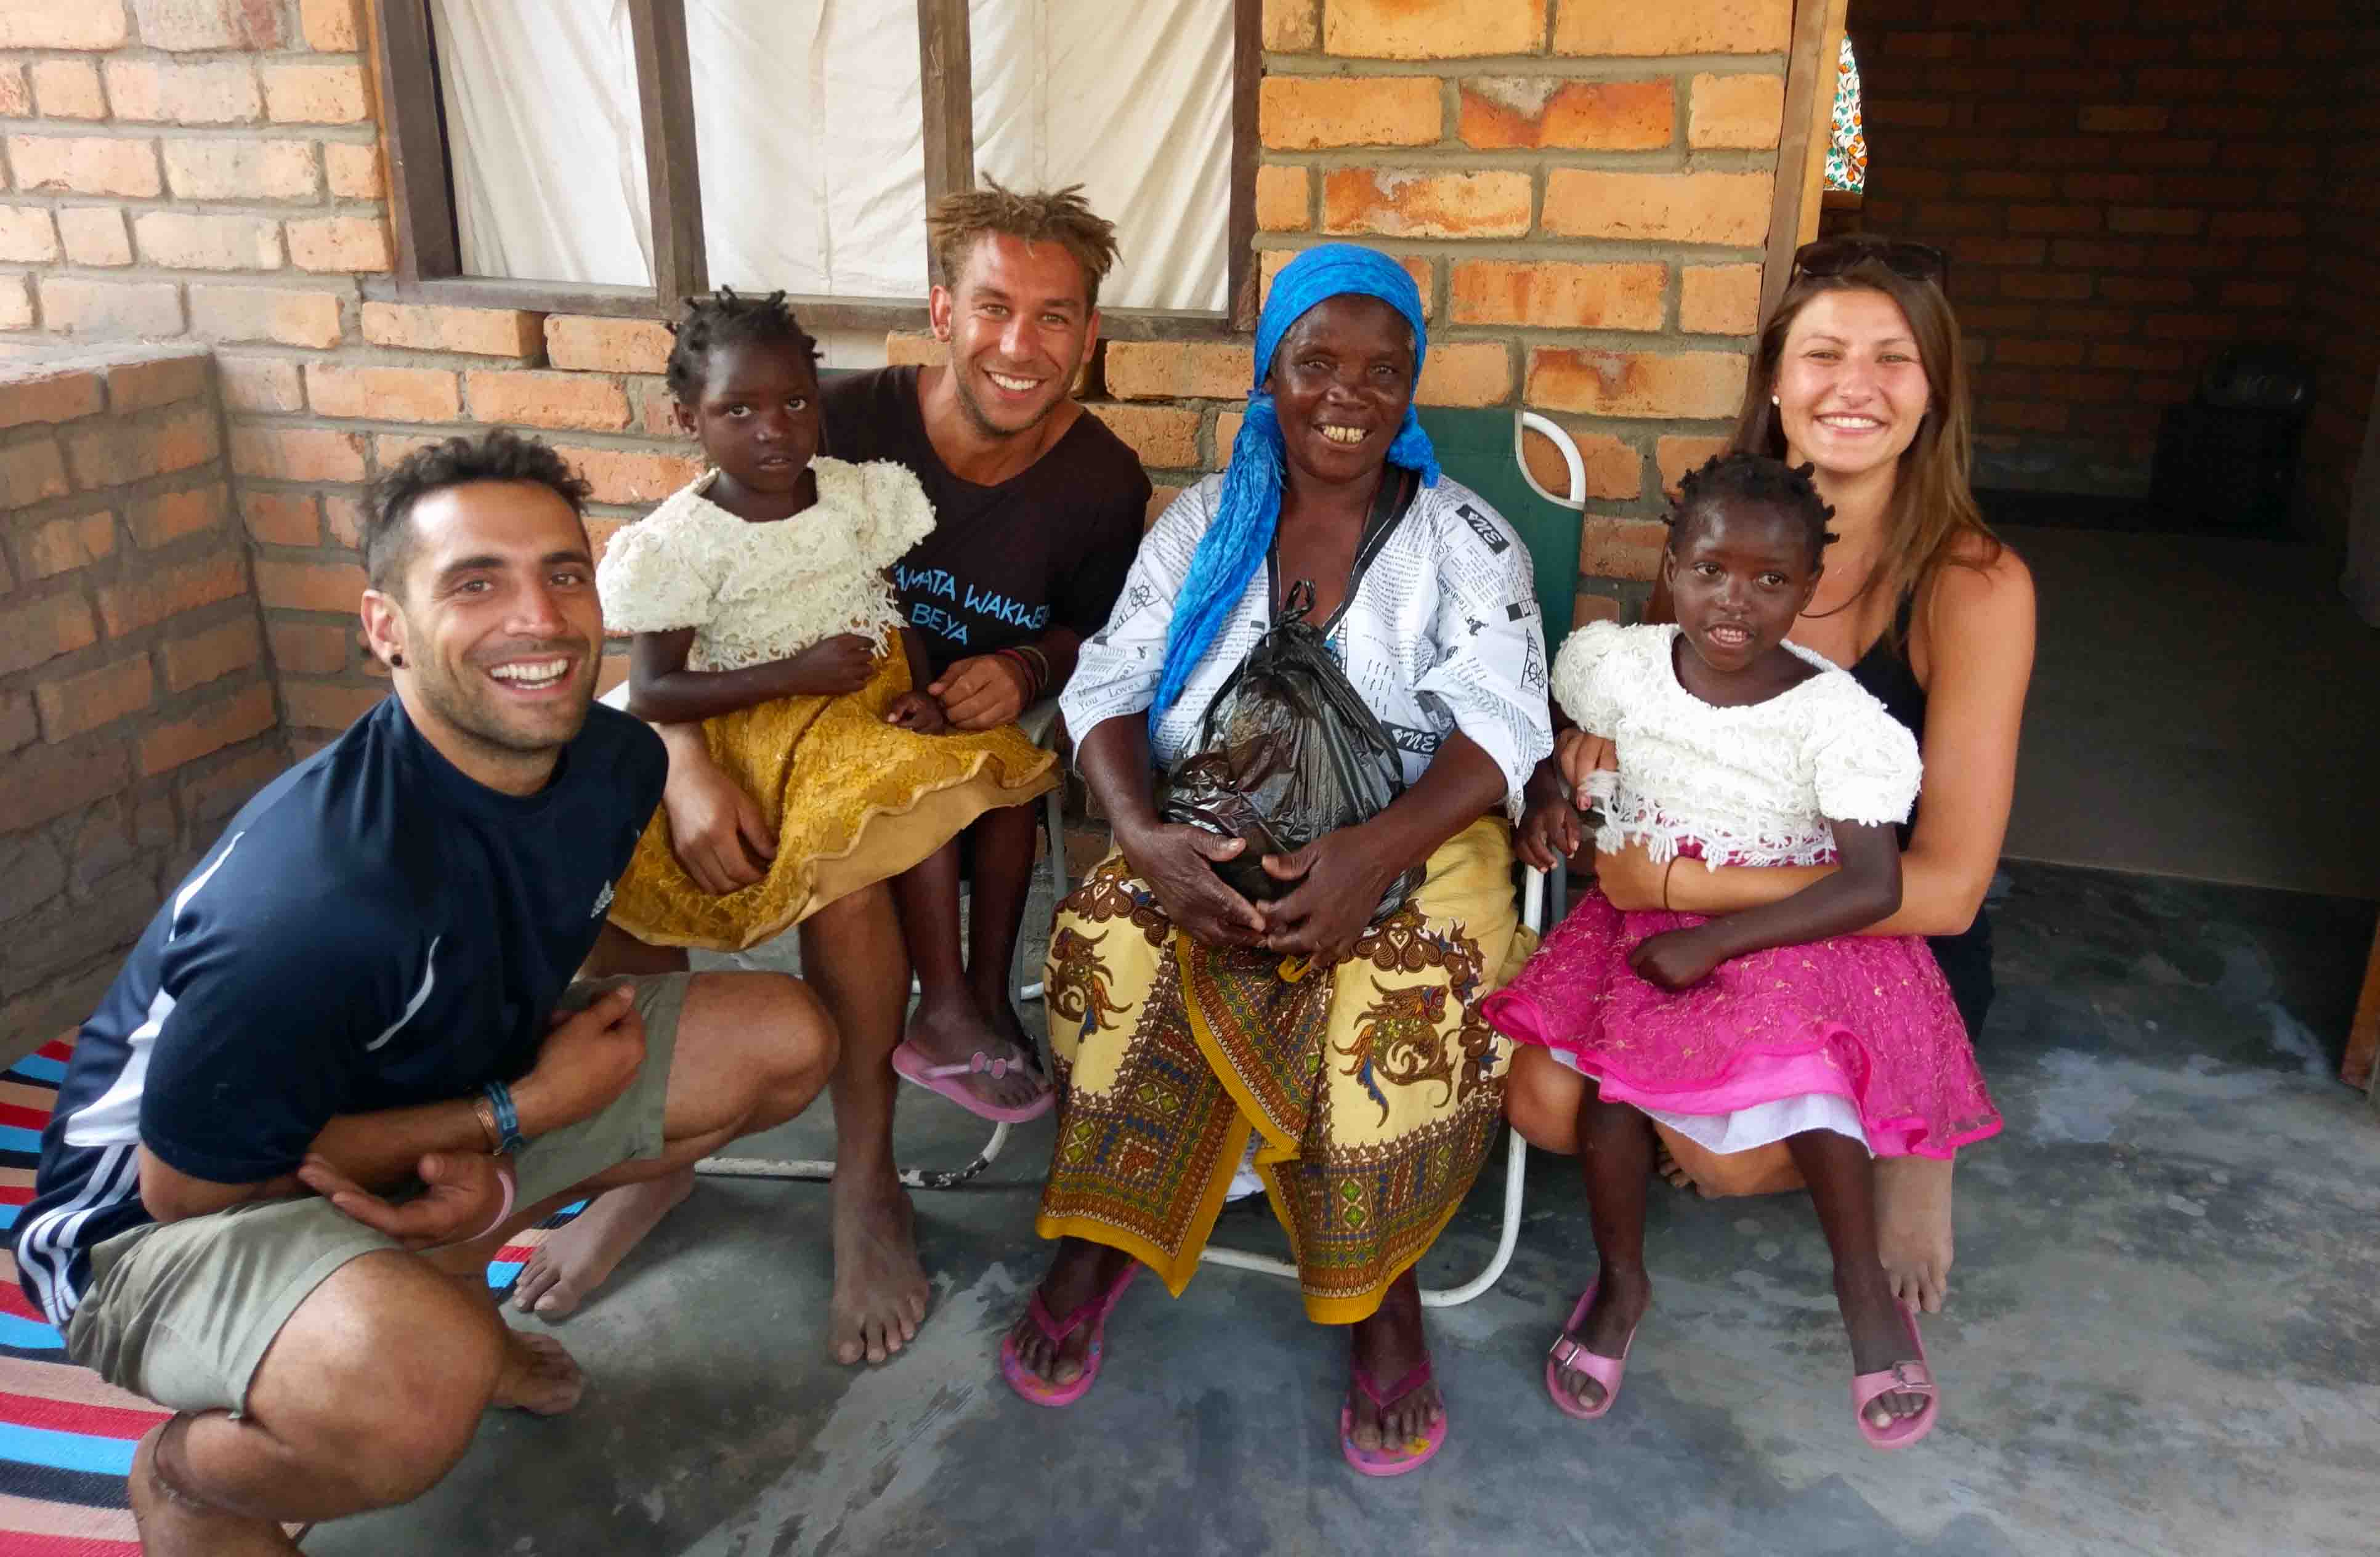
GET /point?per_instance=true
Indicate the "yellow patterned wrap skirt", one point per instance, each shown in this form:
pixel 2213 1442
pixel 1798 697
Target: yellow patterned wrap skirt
pixel 1374 1086
pixel 852 800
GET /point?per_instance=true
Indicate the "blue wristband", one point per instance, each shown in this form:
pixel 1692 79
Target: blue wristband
pixel 500 1098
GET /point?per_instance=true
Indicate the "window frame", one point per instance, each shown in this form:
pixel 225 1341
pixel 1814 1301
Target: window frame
pixel 429 249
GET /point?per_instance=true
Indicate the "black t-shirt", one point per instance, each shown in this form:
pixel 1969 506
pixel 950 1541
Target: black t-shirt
pixel 1047 547
pixel 374 930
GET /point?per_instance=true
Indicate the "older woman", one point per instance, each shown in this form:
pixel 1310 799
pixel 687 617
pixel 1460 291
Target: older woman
pixel 1184 1017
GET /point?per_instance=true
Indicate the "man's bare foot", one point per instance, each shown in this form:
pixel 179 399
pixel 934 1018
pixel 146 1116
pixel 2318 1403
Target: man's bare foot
pixel 1620 1299
pixel 1080 1273
pixel 951 1030
pixel 575 1258
pixel 173 1523
pixel 881 1291
pixel 1388 1346
pixel 1880 1338
pixel 537 1376
pixel 1912 1228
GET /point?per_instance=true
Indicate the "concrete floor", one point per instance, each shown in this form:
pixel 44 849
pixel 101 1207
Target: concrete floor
pixel 2162 1340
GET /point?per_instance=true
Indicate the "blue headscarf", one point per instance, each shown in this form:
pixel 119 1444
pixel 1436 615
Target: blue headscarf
pixel 1249 509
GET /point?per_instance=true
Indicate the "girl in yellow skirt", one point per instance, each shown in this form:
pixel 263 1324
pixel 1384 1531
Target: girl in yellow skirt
pixel 761 608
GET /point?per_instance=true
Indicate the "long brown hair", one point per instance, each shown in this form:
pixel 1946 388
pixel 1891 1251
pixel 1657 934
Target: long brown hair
pixel 1934 521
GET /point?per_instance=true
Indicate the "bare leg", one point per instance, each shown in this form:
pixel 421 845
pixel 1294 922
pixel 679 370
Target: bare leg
pixel 1542 1098
pixel 1913 1198
pixel 1615 1157
pixel 1079 1273
pixel 852 950
pixel 1000 852
pixel 1388 1345
pixel 1842 1188
pixel 952 1023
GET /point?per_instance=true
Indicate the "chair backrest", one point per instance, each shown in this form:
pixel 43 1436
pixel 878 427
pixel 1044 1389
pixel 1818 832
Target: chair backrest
pixel 1480 448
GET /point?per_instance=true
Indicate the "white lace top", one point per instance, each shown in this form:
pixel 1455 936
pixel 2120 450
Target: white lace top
pixel 1751 786
pixel 757 592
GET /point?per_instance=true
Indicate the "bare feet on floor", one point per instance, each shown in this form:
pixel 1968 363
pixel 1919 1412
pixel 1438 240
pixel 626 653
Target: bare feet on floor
pixel 1620 1299
pixel 1082 1272
pixel 881 1291
pixel 172 1524
pixel 1388 1346
pixel 952 1031
pixel 1880 1338
pixel 575 1259
pixel 1667 1166
pixel 1912 1228
pixel 538 1376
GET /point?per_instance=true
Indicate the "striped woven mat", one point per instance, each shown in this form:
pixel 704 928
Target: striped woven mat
pixel 65 1436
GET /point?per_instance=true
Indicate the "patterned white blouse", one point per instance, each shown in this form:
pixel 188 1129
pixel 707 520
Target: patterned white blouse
pixel 1750 786
pixel 757 592
pixel 1441 632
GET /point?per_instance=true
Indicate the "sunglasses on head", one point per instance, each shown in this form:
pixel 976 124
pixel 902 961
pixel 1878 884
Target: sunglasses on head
pixel 1833 256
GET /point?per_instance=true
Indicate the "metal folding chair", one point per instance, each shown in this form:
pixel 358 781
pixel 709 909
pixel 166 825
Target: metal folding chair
pixel 1482 450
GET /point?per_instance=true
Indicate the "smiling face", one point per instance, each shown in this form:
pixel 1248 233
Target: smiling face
pixel 1851 387
pixel 756 416
pixel 497 626
pixel 1019 321
pixel 1739 574
pixel 1340 381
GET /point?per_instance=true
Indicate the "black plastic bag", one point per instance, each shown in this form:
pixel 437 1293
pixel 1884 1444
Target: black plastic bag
pixel 1287 752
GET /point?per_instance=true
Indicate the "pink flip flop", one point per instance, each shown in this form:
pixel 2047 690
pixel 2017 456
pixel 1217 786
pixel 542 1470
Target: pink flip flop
pixel 1415 1452
pixel 1035 1388
pixel 1567 1353
pixel 911 1064
pixel 1901 1378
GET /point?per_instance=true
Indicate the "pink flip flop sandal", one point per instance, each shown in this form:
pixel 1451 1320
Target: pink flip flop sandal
pixel 1901 1378
pixel 1040 1391
pixel 1567 1353
pixel 910 1062
pixel 1384 1461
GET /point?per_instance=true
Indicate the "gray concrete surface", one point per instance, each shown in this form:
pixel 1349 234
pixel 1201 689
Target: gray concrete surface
pixel 2163 1337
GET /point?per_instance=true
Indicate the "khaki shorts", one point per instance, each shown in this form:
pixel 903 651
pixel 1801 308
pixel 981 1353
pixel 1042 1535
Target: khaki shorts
pixel 183 1312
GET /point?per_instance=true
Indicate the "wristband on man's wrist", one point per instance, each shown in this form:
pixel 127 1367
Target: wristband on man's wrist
pixel 500 1098
pixel 492 1133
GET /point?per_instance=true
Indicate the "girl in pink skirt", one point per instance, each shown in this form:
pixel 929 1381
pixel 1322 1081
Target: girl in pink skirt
pixel 1737 747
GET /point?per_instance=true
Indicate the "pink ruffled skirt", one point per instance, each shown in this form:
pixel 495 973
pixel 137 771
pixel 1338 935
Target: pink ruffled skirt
pixel 1857 1032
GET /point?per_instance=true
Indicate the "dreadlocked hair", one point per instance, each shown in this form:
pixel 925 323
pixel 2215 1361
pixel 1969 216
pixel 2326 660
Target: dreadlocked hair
pixel 1059 217
pixel 729 318
pixel 1754 481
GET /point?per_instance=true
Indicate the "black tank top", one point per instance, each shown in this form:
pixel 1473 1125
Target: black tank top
pixel 1966 957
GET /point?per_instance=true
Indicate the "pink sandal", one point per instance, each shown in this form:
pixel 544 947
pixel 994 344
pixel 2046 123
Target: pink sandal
pixel 1901 1378
pixel 911 1064
pixel 1385 1461
pixel 1040 1391
pixel 1567 1353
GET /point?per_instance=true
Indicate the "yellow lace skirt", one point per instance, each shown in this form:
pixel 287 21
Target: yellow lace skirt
pixel 852 800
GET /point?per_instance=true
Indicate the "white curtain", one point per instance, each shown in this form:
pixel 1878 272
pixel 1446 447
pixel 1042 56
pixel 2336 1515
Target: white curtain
pixel 1132 101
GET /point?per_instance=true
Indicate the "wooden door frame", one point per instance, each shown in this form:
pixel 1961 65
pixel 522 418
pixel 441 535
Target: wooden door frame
pixel 1798 194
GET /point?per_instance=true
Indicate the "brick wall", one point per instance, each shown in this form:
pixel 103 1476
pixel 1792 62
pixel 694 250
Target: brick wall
pixel 135 708
pixel 2124 186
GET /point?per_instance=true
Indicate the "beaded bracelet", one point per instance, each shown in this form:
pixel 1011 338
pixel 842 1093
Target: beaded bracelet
pixel 1032 681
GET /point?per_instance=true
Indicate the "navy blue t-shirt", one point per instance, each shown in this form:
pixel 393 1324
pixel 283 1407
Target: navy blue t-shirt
pixel 374 930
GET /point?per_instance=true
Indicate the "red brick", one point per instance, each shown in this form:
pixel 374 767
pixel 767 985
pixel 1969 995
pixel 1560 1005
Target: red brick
pixel 2128 188
pixel 1557 295
pixel 167 516
pixel 1621 548
pixel 339 243
pixel 64 24
pixel 2053 219
pixel 234 719
pixel 1403 30
pixel 1907 113
pixel 94 235
pixel 1292 26
pixel 2086 254
pixel 308 648
pixel 211 654
pixel 1719 299
pixel 2173 222
pixel 1683 26
pixel 1730 208
pixel 538 399
pixel 354 170
pixel 45 783
pixel 344 512
pixel 316 705
pixel 68 88
pixel 1965 251
pixel 224 787
pixel 383 393
pixel 2145 359
pixel 156 381
pixel 1412 202
pixel 63 545
pixel 308 92
pixel 183 240
pixel 2247 294
pixel 18 724
pixel 330 26
pixel 2122 118
pixel 1588 608
pixel 161 92
pixel 37 393
pixel 1614 470
pixel 636 476
pixel 1466 373
pixel 2037 353
pixel 482 331
pixel 1677 455
pixel 16 98
pixel 1165 439
pixel 287 315
pixel 128 605
pixel 85 164
pixel 298 454
pixel 1526 112
pixel 1285 198
pixel 209 24
pixel 1746 111
pixel 35 631
pixel 2047 287
pixel 84 703
pixel 309 585
pixel 112 451
pixel 1306 113
pixel 30 472
pixel 2259 223
pixel 262 383
pixel 241 170
pixel 1704 385
pixel 2001 184
pixel 1179 369
pixel 607 345
pixel 2148 288
pixel 283 518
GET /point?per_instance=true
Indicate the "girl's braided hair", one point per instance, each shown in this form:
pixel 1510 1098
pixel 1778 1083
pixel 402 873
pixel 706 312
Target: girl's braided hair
pixel 1753 479
pixel 729 318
